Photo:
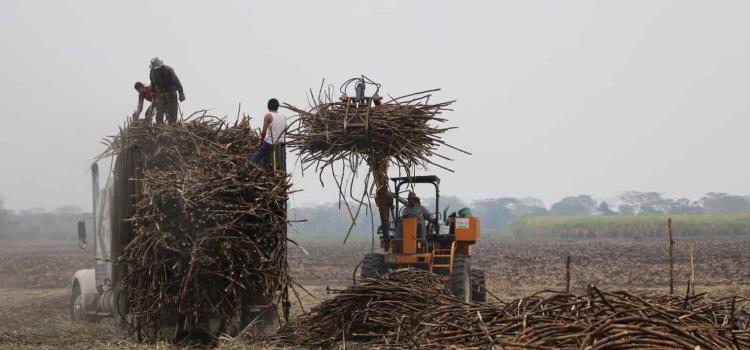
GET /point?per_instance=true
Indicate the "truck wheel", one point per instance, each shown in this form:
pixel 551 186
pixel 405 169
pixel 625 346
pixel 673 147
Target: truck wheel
pixel 120 314
pixel 270 322
pixel 478 286
pixel 373 265
pixel 460 279
pixel 265 323
pixel 77 307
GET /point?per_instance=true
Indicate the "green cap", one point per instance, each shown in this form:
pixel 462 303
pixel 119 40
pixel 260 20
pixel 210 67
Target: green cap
pixel 464 213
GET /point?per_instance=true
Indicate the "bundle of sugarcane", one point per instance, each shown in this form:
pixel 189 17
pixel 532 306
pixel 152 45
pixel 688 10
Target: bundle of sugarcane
pixel 411 309
pixel 208 236
pixel 404 131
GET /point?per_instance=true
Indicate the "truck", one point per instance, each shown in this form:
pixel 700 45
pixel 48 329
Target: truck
pixel 96 292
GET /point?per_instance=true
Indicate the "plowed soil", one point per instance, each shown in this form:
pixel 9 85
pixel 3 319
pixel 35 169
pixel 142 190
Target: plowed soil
pixel 35 278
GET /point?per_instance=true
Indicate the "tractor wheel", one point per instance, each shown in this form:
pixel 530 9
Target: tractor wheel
pixel 460 279
pixel 373 265
pixel 478 286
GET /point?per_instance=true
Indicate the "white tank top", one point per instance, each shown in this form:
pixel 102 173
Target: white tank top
pixel 275 132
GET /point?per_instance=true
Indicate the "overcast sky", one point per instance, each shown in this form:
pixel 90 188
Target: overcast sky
pixel 554 97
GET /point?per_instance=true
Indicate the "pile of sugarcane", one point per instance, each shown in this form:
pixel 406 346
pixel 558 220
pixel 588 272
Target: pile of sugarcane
pixel 207 231
pixel 411 309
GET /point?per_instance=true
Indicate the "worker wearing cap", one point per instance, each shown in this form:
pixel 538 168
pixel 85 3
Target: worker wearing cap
pixel 415 209
pixel 147 93
pixel 168 89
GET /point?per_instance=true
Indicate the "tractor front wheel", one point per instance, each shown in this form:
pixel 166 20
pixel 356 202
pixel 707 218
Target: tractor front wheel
pixel 373 265
pixel 478 286
pixel 460 279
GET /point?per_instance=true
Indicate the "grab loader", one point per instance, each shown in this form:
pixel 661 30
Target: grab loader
pixel 445 246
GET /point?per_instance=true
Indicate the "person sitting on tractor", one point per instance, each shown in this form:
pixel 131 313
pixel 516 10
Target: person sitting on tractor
pixel 415 209
pixel 451 222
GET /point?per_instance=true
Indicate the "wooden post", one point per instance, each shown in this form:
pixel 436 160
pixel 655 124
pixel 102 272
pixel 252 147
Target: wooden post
pixel 671 257
pixel 692 271
pixel 567 275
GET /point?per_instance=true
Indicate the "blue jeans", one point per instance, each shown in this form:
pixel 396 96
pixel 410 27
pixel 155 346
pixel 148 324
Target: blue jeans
pixel 262 153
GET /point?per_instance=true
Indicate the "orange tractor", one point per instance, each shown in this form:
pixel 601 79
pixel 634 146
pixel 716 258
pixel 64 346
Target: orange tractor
pixel 444 248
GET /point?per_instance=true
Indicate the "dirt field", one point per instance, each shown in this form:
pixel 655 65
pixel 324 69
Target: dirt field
pixel 34 277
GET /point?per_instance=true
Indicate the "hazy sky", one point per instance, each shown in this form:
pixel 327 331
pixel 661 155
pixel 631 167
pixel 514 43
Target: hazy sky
pixel 554 97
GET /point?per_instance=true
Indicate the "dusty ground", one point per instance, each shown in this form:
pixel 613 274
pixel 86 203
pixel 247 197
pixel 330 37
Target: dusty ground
pixel 34 277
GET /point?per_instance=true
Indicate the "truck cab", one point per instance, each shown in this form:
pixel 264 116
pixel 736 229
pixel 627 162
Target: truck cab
pixel 92 289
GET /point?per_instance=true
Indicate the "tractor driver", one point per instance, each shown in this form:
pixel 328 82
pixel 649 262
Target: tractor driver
pixel 415 209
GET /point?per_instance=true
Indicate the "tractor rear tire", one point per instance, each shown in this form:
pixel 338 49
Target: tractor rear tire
pixel 460 279
pixel 478 286
pixel 373 265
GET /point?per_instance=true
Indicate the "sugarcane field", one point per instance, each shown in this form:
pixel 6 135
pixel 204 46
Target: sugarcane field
pixel 374 175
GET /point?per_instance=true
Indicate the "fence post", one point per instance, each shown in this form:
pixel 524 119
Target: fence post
pixel 692 271
pixel 671 257
pixel 567 275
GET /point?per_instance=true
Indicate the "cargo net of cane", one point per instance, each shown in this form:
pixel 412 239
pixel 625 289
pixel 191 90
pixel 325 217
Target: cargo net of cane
pixel 412 309
pixel 342 131
pixel 207 238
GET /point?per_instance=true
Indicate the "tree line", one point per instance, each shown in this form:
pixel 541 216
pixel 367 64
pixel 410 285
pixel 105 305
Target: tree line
pixel 330 220
pixel 40 224
pixel 496 213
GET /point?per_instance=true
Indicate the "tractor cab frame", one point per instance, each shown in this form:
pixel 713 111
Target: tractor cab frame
pixel 398 226
pixel 444 249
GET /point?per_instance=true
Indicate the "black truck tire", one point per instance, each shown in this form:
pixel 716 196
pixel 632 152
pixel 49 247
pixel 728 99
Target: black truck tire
pixel 373 265
pixel 77 309
pixel 266 323
pixel 478 286
pixel 460 279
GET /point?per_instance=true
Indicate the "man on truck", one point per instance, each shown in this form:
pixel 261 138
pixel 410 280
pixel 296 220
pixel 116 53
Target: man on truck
pixel 147 93
pixel 168 89
pixel 271 135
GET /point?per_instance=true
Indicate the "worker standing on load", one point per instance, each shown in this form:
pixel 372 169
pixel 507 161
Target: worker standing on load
pixel 415 209
pixel 272 135
pixel 168 89
pixel 145 92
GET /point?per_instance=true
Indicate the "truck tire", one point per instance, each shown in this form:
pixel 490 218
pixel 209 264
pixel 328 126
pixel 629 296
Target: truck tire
pixel 460 279
pixel 77 307
pixel 120 315
pixel 373 265
pixel 264 323
pixel 478 286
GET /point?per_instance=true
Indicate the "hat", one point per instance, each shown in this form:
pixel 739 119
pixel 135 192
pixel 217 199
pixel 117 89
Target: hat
pixel 465 213
pixel 156 62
